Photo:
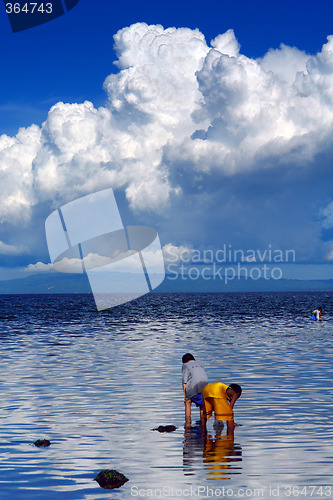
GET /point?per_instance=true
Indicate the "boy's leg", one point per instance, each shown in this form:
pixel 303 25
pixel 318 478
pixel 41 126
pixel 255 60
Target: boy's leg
pixel 230 427
pixel 208 407
pixel 188 403
pixel 205 412
pixel 203 419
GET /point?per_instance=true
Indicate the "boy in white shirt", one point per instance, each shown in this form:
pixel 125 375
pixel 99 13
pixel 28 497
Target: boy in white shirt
pixel 194 379
pixel 316 314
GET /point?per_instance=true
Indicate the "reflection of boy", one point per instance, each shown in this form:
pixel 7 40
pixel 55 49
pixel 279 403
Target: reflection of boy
pixel 194 379
pixel 220 399
pixel 219 453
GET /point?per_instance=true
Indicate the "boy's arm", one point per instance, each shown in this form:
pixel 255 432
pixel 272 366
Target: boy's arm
pixel 184 379
pixel 184 389
pixel 234 397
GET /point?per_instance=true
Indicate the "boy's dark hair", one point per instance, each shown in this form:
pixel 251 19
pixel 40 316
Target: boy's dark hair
pixel 237 388
pixel 188 357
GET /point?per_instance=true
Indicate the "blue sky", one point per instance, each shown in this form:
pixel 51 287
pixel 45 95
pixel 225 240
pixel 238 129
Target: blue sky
pixel 69 58
pixel 228 143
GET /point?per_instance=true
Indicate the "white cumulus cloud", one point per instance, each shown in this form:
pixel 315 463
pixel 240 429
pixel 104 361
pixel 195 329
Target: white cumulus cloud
pixel 39 267
pixel 327 216
pixel 176 104
pixel 6 249
pixel 17 155
pixel 175 254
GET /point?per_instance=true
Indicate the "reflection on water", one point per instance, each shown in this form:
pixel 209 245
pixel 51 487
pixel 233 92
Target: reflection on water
pixel 193 449
pixel 95 384
pixel 217 455
pixel 222 455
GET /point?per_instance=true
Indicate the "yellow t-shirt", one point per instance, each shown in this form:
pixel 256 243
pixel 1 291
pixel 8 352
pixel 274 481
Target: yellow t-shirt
pixel 218 391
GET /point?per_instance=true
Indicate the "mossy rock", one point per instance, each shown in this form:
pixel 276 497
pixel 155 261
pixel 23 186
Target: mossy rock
pixel 42 442
pixel 165 428
pixel 110 479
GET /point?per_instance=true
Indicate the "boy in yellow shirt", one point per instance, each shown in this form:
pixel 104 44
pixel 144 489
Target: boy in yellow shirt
pixel 220 399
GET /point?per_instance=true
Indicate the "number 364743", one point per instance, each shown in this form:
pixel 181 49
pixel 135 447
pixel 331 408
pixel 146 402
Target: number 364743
pixel 29 8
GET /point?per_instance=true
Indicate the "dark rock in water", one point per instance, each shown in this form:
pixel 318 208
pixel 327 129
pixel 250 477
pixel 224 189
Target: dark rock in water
pixel 42 442
pixel 110 479
pixel 165 428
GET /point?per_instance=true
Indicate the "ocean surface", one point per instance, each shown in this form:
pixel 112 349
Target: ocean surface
pixel 96 383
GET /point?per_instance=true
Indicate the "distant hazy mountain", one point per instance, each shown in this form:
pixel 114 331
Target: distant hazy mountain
pixel 78 283
pixel 47 283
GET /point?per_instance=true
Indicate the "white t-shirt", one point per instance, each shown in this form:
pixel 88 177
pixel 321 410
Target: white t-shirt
pixel 317 313
pixel 195 378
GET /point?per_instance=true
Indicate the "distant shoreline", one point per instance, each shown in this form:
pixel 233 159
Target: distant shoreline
pixel 57 283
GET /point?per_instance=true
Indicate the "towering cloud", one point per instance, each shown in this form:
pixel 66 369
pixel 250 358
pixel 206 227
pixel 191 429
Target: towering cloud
pixel 176 109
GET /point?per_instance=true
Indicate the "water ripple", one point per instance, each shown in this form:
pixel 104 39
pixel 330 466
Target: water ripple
pixel 96 384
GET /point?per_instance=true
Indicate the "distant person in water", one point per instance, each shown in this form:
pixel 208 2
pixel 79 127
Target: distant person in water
pixel 194 379
pixel 220 399
pixel 316 314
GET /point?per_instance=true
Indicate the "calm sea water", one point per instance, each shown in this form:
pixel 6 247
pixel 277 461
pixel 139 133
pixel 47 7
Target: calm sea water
pixel 96 383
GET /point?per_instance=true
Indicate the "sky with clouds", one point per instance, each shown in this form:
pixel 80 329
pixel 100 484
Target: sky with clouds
pixel 212 123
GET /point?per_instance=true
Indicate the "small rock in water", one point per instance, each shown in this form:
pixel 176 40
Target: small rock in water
pixel 42 442
pixel 110 479
pixel 165 428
